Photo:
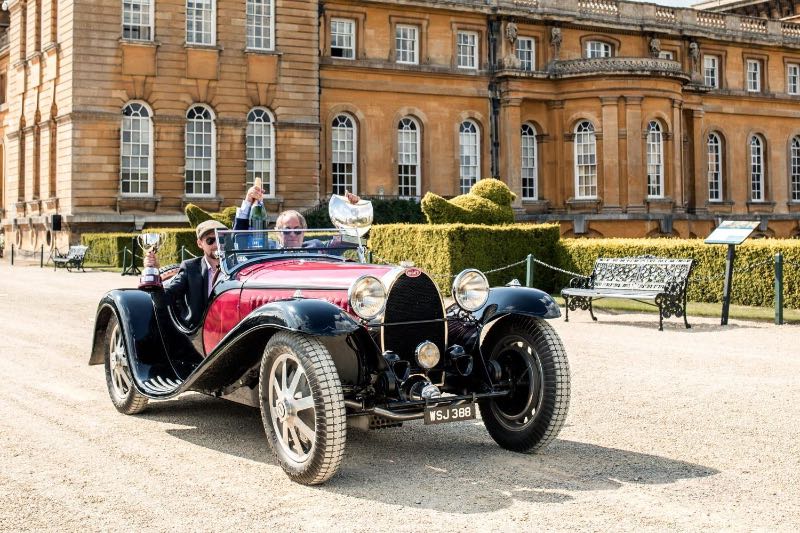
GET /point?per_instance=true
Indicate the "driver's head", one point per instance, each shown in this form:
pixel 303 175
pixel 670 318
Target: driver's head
pixel 294 221
pixel 207 239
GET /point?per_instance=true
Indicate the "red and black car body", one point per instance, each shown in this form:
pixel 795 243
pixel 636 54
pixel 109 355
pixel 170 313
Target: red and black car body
pixel 294 308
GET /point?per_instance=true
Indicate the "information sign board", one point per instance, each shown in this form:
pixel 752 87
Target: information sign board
pixel 732 232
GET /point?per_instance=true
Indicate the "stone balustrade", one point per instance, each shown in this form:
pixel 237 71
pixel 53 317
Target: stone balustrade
pixel 616 65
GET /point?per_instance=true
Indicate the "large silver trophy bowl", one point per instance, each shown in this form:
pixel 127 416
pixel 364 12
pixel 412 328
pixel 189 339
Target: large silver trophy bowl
pixel 150 242
pixel 354 220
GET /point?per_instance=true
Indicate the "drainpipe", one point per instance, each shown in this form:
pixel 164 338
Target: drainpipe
pixel 494 97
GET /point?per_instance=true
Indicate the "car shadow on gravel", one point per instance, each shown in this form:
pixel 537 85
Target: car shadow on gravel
pixel 451 468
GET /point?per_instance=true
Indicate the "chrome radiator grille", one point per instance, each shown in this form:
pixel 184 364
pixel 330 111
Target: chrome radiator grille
pixel 412 299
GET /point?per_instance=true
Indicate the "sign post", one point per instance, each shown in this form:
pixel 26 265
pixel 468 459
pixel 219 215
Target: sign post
pixel 730 232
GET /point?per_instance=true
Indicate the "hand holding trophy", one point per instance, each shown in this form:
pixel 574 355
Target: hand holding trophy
pixel 151 279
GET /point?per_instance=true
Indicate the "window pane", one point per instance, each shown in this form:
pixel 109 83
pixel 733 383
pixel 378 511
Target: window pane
pixel 529 170
pixel 467 49
pixel 525 53
pixel 406 44
pixel 585 161
pixel 655 160
pixel 136 20
pixel 343 38
pixel 259 24
pixel 200 170
pixel 469 146
pixel 343 154
pixel 200 21
pixel 714 150
pixel 135 141
pixel 259 150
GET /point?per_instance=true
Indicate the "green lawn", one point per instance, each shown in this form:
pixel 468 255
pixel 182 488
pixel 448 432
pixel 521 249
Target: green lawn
pixel 744 312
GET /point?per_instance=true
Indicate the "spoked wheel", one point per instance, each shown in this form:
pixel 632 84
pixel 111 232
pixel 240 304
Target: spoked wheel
pixel 302 407
pixel 534 365
pixel 119 377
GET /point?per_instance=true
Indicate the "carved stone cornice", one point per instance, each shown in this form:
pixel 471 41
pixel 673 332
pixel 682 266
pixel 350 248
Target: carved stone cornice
pixel 617 66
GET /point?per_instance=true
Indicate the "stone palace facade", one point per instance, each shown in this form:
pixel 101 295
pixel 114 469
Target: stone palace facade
pixel 613 118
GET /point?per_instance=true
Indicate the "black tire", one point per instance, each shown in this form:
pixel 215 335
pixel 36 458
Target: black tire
pixel 304 415
pixel 119 379
pixel 531 354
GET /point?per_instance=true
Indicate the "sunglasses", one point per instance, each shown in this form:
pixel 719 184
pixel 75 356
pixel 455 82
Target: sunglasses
pixel 297 231
pixel 210 240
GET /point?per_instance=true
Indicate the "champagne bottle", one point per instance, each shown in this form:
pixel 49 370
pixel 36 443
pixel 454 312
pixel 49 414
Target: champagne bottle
pixel 258 219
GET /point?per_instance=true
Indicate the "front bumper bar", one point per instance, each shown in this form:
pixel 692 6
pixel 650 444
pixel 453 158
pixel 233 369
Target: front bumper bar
pixel 409 410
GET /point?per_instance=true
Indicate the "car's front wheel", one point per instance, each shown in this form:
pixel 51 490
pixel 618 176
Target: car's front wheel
pixel 533 364
pixel 302 407
pixel 119 376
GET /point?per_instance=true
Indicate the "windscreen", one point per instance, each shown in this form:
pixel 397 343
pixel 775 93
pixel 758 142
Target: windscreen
pixel 238 247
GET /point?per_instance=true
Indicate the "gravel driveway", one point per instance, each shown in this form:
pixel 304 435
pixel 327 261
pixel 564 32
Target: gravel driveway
pixel 688 430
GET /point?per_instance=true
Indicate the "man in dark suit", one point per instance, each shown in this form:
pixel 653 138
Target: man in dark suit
pixel 188 291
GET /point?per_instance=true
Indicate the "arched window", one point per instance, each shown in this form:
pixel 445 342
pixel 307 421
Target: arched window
pixel 714 166
pixel 756 169
pixel 529 170
pixel 201 161
pixel 469 138
pixel 408 158
pixel 343 154
pixel 585 161
pixel 655 160
pixel 261 150
pixel 794 171
pixel 136 150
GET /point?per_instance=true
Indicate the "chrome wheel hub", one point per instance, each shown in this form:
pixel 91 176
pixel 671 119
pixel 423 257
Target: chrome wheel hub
pixel 292 407
pixel 118 364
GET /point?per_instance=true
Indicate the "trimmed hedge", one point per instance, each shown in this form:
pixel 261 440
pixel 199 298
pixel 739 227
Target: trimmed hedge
pixel 488 202
pixel 196 215
pixel 445 250
pixel 384 210
pixel 750 287
pixel 106 248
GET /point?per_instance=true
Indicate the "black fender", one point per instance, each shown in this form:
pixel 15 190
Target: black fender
pixel 519 301
pixel 242 348
pixel 137 316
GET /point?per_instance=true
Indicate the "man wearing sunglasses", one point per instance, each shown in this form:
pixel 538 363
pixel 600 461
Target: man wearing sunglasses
pixel 291 221
pixel 189 289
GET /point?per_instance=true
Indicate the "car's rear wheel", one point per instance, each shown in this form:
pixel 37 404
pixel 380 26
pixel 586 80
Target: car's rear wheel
pixel 302 407
pixel 534 364
pixel 119 377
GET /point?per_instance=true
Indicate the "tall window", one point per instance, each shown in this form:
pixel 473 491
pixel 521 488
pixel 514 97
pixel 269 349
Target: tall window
pixel 585 161
pixel 714 167
pixel 529 170
pixel 655 160
pixel 469 141
pixel 408 157
pixel 756 169
pixel 711 71
pixel 343 154
pixel 343 38
pixel 467 49
pixel 201 22
pixel 526 53
pixel 200 174
pixel 260 150
pixel 753 75
pixel 136 150
pixel 794 171
pixel 406 44
pixel 793 78
pixel 137 19
pixel 598 49
pixel 260 28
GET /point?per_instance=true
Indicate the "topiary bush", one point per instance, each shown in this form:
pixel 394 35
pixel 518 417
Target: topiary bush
pixel 444 250
pixel 750 287
pixel 197 215
pixel 488 202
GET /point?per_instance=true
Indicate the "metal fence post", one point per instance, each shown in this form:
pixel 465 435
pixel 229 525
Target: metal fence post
pixel 779 288
pixel 12 255
pixel 529 271
pixel 41 258
pixel 124 259
pixel 183 252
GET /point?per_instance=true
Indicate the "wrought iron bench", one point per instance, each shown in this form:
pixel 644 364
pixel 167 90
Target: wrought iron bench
pixel 73 258
pixel 643 279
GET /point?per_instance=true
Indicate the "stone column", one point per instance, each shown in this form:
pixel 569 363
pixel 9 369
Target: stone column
pixel 676 142
pixel 636 169
pixel 558 174
pixel 611 191
pixel 510 158
pixel 700 165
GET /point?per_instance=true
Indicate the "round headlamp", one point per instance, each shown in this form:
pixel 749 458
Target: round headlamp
pixel 471 289
pixel 427 354
pixel 367 297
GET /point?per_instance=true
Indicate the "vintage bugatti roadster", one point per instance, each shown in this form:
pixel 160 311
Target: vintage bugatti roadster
pixel 319 340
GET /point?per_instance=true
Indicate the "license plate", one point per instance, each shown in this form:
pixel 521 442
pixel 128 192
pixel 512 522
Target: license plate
pixel 450 413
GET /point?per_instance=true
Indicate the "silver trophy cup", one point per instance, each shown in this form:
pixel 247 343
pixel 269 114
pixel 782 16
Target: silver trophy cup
pixel 150 242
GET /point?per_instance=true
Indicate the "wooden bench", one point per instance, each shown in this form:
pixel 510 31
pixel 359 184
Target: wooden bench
pixel 73 258
pixel 645 279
